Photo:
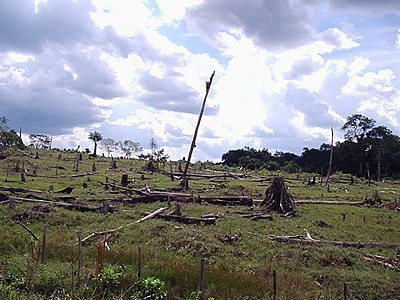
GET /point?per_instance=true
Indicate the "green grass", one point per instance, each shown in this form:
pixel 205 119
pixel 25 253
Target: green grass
pixel 241 269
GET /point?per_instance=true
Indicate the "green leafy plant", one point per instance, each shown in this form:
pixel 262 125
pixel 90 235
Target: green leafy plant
pixel 110 275
pixel 152 288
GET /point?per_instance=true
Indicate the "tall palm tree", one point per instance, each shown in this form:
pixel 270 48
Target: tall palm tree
pixel 95 137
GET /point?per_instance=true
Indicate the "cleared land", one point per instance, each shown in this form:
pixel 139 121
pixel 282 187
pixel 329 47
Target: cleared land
pixel 241 254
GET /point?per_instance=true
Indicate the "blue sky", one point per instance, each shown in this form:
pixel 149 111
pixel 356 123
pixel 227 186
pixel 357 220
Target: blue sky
pixel 286 71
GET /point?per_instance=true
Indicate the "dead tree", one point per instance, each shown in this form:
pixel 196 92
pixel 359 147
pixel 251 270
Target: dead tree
pixel 277 198
pixel 330 160
pixel 185 183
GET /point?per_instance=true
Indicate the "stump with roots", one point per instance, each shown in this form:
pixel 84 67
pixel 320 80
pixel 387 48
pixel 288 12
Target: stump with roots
pixel 277 198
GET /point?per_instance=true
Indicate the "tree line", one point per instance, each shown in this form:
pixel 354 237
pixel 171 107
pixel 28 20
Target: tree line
pixel 368 151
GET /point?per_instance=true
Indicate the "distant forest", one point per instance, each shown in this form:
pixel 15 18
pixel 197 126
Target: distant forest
pixel 368 151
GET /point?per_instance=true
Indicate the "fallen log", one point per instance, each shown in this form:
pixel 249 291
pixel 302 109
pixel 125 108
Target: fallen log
pixel 19 190
pixel 184 219
pixel 321 202
pixel 224 175
pixel 258 216
pixel 229 200
pixel 386 262
pixel 101 233
pixel 84 208
pixel 307 239
pixel 355 203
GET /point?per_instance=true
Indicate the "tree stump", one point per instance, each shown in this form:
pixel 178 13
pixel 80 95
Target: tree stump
pixel 277 198
pixel 124 179
pixel 114 164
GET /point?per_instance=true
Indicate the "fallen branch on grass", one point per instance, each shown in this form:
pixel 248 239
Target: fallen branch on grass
pixel 386 262
pixel 184 219
pixel 147 196
pixel 355 203
pixel 149 216
pixel 307 239
pixel 84 208
pixel 258 216
pixel 27 229
pixel 224 175
pixel 19 190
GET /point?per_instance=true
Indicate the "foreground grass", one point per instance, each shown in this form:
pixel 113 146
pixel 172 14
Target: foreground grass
pixel 238 268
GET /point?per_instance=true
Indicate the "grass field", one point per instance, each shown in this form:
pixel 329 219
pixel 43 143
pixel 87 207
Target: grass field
pixel 240 258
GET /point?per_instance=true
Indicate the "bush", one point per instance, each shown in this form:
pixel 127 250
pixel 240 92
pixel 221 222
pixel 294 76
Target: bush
pixel 152 288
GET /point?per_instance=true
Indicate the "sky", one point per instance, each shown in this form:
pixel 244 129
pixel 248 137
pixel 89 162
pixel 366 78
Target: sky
pixel 285 71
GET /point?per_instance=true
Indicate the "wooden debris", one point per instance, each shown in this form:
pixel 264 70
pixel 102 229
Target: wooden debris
pixel 307 239
pixel 27 229
pixel 19 190
pixel 277 197
pixel 387 262
pixel 184 219
pixel 102 233
pixel 100 208
pixel 258 216
pixel 67 190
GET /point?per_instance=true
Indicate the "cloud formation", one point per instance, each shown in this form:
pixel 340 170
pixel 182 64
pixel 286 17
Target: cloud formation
pixel 286 71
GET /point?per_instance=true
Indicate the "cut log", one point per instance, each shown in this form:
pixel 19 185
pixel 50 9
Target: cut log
pixel 67 190
pixel 307 239
pixel 102 233
pixel 386 262
pixel 258 216
pixel 80 207
pixel 184 219
pixel 277 198
pixel 230 200
pixel 19 190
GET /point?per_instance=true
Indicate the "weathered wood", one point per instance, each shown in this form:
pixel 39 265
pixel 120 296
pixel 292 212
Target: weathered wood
pixel 208 176
pixel 386 262
pixel 354 203
pixel 184 219
pixel 322 202
pixel 27 229
pixel 124 180
pixel 228 200
pixel 277 197
pixel 19 190
pixel 80 207
pixel 307 239
pixel 185 183
pixel 258 216
pixel 66 190
pixel 101 233
pixel 330 160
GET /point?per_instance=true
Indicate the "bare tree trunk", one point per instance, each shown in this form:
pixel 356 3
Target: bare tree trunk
pixel 330 160
pixel 379 164
pixel 185 183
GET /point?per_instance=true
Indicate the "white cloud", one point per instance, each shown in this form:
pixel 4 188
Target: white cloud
pixel 286 71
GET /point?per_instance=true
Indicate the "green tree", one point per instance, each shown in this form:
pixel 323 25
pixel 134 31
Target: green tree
pixel 10 139
pixel 356 129
pixel 377 137
pixel 95 137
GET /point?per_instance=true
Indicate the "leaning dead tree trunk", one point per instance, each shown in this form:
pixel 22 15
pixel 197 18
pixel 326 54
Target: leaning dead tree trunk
pixel 185 183
pixel 277 198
